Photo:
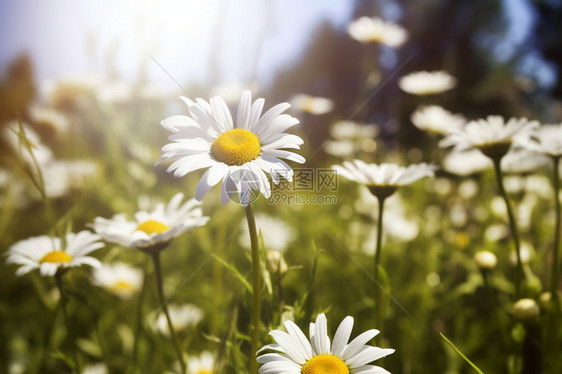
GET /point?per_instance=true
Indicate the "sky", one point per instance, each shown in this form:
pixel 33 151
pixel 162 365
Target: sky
pixel 195 41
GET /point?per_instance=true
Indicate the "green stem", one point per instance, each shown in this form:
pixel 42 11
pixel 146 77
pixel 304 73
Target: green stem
pixel 378 290
pixel 138 327
pixel 551 361
pixel 164 306
pixel 513 225
pixel 256 294
pixel 58 278
pixel 555 252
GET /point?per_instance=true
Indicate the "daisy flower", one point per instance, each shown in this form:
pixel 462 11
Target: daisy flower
pixel 383 180
pixel 120 279
pixel 297 354
pixel 148 229
pixel 546 139
pixel 182 316
pixel 435 119
pixel 493 136
pixel 311 104
pixel 239 154
pixel 369 30
pixel 204 364
pixel 50 255
pixel 427 83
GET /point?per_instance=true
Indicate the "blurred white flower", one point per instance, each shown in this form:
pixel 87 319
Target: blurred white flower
pixel 41 153
pixel 539 185
pixel 369 30
pixel 437 120
pixel 99 368
pixel 353 130
pixel 311 104
pixel 202 364
pixel 49 254
pixel 61 176
pixel 396 227
pixel 276 233
pixel 119 278
pixel 240 155
pixel 427 83
pixel 467 189
pixel 157 227
pixel 182 316
pixel 492 136
pixel 466 163
pixel 497 232
pixel 294 353
pixel 70 90
pixel 523 161
pixel 340 148
pixel 115 92
pixel 526 251
pixel 48 118
pixel 546 139
pixel 382 180
pixel 457 214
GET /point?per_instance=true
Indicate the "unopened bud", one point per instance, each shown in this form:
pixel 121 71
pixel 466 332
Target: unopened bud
pixel 526 309
pixel 277 262
pixel 485 260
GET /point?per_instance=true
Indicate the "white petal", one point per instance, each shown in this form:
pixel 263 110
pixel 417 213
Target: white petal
pixel 342 336
pixel 209 179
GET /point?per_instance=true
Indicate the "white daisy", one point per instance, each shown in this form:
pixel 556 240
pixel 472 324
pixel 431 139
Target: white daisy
pixel 427 83
pixel 492 136
pixel 119 279
pixel 296 354
pixel 203 364
pixel 383 180
pixel 182 316
pixel 152 228
pixel 48 254
pixel 311 104
pixel 240 154
pixel 547 139
pixel 435 119
pixel 369 30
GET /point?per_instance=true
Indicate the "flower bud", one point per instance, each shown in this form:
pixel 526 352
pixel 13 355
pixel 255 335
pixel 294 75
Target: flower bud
pixel 526 309
pixel 485 260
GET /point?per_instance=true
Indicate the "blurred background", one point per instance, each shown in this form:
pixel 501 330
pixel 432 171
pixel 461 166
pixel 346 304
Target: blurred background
pixel 90 81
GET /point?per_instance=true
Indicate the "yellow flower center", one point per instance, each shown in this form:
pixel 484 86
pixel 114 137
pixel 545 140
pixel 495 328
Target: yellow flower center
pixel 121 286
pixel 204 371
pixel 56 257
pixel 236 147
pixel 325 364
pixel 152 227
